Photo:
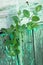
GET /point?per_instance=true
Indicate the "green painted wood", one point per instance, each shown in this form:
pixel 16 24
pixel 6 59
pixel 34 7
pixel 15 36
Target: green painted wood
pixel 38 43
pixel 27 53
pixel 31 49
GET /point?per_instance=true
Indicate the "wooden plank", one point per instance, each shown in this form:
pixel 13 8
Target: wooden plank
pixel 26 48
pixel 38 41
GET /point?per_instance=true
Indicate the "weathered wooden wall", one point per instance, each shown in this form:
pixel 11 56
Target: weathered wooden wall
pixel 31 49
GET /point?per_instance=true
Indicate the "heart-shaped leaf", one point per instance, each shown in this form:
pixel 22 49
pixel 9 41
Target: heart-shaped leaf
pixel 16 19
pixel 26 13
pixel 38 8
pixel 35 18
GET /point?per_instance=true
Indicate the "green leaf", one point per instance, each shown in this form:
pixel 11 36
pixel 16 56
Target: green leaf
pixel 35 18
pixel 4 30
pixel 23 26
pixel 12 27
pixel 17 51
pixel 16 19
pixel 26 13
pixel 9 30
pixel 16 45
pixel 34 25
pixel 38 8
pixel 31 25
pixel 12 53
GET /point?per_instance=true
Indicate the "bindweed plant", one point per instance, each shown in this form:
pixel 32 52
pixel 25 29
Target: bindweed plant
pixel 11 41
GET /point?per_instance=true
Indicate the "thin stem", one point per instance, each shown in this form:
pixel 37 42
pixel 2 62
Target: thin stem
pixel 18 60
pixel 33 46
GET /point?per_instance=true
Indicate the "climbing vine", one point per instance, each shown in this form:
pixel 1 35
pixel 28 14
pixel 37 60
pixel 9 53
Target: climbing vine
pixel 11 40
